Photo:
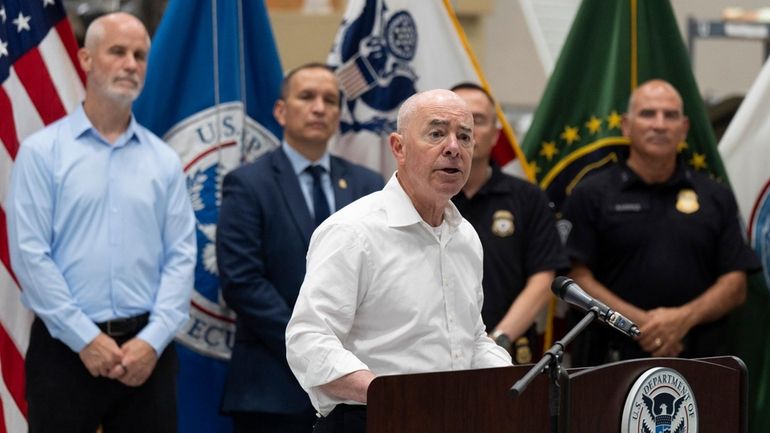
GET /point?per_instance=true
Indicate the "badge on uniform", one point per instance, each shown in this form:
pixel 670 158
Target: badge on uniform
pixel 522 353
pixel 687 201
pixel 502 223
pixel 343 184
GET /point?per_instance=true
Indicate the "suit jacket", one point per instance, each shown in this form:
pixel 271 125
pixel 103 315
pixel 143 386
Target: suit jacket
pixel 262 239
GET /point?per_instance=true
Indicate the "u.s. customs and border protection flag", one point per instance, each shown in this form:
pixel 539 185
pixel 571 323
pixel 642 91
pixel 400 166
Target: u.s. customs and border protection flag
pixel 41 82
pixel 212 79
pixel 745 150
pixel 387 50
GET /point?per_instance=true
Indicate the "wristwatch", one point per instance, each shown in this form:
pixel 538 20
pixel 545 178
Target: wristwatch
pixel 502 340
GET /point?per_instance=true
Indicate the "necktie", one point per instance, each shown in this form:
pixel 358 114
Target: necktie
pixel 320 205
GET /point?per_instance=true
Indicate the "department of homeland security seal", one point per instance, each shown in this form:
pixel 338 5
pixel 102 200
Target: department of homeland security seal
pixel 660 401
pixel 210 143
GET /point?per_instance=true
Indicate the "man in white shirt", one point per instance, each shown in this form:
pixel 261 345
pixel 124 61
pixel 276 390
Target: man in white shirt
pixel 393 282
pixel 269 210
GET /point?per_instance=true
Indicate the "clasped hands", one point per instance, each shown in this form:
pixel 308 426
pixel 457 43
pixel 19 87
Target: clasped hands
pixel 663 330
pixel 132 363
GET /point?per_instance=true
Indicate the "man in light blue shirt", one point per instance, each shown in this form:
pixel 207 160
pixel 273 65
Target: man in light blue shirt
pixel 102 242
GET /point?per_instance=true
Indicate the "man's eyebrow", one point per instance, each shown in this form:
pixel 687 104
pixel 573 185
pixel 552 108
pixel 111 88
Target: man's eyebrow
pixel 438 122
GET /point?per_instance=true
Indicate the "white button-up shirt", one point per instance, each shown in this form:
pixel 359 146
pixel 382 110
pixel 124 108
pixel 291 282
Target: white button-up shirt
pixel 384 292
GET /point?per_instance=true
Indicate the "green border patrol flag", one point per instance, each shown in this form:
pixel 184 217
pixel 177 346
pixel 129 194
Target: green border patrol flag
pixel 613 47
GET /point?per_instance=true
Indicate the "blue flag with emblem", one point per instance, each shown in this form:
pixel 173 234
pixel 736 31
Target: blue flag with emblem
pixel 212 79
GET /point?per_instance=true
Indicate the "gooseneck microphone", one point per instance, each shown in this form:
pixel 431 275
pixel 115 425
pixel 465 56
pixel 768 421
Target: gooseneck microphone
pixel 571 293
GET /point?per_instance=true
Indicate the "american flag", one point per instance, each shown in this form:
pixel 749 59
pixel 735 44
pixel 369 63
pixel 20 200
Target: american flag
pixel 41 82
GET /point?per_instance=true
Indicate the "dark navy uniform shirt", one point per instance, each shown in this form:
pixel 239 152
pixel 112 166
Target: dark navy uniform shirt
pixel 658 245
pixel 517 229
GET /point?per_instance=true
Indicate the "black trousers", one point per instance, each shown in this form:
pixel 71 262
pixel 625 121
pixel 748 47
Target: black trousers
pixel 64 397
pixel 258 422
pixel 343 419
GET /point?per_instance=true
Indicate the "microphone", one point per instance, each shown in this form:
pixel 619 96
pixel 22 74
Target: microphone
pixel 570 292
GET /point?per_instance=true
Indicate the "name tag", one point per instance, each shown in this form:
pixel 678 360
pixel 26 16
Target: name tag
pixel 627 207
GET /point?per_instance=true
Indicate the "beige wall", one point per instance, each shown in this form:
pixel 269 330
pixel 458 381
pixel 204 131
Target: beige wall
pixel 722 67
pixel 303 38
pixel 515 73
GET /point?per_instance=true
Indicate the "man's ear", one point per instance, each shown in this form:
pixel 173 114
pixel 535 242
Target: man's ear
pixel 279 112
pixel 397 147
pixel 686 128
pixel 85 59
pixel 625 125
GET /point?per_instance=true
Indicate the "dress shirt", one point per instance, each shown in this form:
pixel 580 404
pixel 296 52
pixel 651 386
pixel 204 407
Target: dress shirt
pixel 299 163
pixel 384 292
pixel 100 231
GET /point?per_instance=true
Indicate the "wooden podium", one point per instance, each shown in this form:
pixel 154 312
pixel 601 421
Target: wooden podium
pixel 477 401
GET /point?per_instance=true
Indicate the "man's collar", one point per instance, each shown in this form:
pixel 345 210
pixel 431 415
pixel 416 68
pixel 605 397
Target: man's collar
pixel 682 176
pixel 299 163
pixel 81 125
pixel 402 212
pixel 492 185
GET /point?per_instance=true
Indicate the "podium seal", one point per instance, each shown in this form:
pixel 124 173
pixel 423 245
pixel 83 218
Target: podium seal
pixel 660 401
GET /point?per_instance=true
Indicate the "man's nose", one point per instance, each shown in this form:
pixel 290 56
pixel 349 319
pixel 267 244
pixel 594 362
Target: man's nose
pixel 452 146
pixel 660 120
pixel 130 62
pixel 319 106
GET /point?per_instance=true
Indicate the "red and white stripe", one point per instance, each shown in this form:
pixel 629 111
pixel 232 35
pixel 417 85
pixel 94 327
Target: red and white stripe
pixel 44 85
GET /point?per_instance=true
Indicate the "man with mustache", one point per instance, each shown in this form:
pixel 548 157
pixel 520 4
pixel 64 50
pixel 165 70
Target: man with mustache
pixel 657 241
pixel 393 281
pixel 269 210
pixel 102 242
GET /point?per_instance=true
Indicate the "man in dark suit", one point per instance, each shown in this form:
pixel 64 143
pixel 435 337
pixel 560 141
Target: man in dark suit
pixel 269 210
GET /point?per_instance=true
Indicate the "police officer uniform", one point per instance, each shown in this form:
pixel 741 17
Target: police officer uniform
pixel 517 229
pixel 654 245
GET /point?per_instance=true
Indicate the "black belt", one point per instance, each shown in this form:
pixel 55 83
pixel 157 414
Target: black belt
pixel 125 326
pixel 346 408
pixel 345 418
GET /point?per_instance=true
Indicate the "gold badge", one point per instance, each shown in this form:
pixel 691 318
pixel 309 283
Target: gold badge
pixel 687 201
pixel 502 223
pixel 522 351
pixel 343 184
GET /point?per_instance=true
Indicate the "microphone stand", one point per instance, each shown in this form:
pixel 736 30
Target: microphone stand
pixel 558 378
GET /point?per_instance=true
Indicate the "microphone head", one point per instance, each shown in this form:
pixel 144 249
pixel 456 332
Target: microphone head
pixel 559 286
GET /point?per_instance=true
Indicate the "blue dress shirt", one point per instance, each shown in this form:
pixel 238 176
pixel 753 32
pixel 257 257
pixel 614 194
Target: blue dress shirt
pixel 299 163
pixel 99 231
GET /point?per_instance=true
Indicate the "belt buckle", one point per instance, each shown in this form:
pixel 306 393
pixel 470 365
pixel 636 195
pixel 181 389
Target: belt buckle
pixel 116 332
pixel 109 329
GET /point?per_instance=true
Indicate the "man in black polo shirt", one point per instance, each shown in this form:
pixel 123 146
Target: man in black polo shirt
pixel 517 228
pixel 657 241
